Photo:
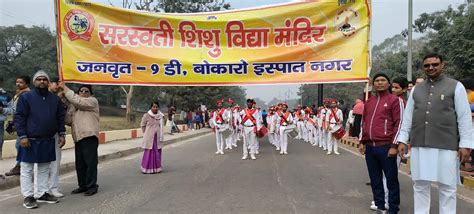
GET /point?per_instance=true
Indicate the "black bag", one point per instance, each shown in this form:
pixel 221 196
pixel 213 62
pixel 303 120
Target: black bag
pixel 10 128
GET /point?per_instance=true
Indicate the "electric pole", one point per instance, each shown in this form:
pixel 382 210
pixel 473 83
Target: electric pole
pixel 410 20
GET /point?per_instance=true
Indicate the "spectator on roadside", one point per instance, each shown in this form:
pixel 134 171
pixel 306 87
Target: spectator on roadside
pixel 357 111
pixel 438 123
pixel 152 128
pixel 410 86
pixel 469 85
pixel 21 84
pixel 83 116
pixel 419 80
pixel 381 122
pixel 4 100
pixel 53 178
pixel 197 120
pixel 39 117
pixel 189 119
pixel 400 87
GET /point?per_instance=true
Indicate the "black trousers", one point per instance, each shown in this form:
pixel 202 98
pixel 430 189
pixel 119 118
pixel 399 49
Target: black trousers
pixel 86 162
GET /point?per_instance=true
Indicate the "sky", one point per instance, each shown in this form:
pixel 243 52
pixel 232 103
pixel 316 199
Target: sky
pixel 390 17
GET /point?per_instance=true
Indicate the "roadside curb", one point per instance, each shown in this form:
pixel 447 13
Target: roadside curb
pixel 467 182
pixel 14 181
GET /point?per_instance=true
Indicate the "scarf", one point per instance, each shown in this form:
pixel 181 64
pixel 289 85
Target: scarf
pixel 157 116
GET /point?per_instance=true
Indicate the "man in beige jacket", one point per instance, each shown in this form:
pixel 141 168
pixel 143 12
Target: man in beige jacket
pixel 83 116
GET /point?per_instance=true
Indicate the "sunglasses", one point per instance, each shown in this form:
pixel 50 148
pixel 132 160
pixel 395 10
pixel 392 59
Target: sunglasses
pixel 429 65
pixel 84 91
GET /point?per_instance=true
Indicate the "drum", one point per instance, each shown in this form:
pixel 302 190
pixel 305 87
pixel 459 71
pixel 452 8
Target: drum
pixel 262 132
pixel 290 128
pixel 293 133
pixel 226 133
pixel 339 133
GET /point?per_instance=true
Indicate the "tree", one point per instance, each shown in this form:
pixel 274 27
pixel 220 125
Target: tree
pixel 26 50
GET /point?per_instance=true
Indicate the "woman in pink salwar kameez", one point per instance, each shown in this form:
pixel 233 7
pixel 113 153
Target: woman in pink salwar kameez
pixel 152 127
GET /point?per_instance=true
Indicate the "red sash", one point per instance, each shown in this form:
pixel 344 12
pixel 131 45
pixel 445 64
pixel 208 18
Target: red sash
pixel 284 119
pixel 249 116
pixel 310 120
pixel 219 116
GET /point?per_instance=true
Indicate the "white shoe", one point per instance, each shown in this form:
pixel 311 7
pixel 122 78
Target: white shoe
pixel 324 149
pixel 281 153
pixel 278 149
pixel 337 153
pixel 217 152
pixel 221 152
pixel 328 153
pixel 372 206
pixel 244 157
pixel 256 152
pixel 253 157
pixel 56 194
pixel 285 153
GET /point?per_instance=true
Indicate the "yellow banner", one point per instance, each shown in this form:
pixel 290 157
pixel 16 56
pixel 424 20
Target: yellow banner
pixel 305 42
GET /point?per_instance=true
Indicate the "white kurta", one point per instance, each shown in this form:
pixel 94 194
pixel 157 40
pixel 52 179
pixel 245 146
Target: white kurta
pixel 439 165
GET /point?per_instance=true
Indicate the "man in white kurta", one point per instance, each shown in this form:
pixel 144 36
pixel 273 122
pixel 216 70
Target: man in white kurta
pixel 299 120
pixel 252 122
pixel 237 126
pixel 430 163
pixel 310 126
pixel 220 119
pixel 271 121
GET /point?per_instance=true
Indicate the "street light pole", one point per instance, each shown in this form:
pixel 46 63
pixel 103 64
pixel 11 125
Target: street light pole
pixel 410 20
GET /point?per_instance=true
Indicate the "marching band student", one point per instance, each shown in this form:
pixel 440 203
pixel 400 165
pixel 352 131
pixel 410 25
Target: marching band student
pixel 299 120
pixel 334 117
pixel 271 126
pixel 311 126
pixel 251 122
pixel 323 129
pixel 230 139
pixel 220 119
pixel 236 124
pixel 284 119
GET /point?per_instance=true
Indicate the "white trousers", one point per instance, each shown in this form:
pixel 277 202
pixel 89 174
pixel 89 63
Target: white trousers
pixel 274 139
pixel 219 141
pixel 283 139
pixel 322 138
pixel 332 142
pixel 229 141
pixel 26 179
pixel 311 133
pixel 447 197
pixel 54 168
pixel 250 141
pixel 300 127
pixel 235 137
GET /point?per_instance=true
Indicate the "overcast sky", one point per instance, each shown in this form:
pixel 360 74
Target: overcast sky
pixel 390 17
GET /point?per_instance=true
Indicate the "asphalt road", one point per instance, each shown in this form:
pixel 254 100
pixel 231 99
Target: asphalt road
pixel 195 180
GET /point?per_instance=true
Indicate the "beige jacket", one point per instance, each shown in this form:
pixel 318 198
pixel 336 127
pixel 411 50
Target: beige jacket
pixel 152 125
pixel 83 115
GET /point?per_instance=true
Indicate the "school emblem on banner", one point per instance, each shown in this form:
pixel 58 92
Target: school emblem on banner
pixel 79 25
pixel 347 22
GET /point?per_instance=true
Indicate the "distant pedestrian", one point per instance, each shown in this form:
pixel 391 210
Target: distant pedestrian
pixel 22 86
pixel 152 143
pixel 39 117
pixel 83 110
pixel 357 111
pixel 189 119
pixel 437 124
pixel 197 120
pixel 381 124
pixel 4 100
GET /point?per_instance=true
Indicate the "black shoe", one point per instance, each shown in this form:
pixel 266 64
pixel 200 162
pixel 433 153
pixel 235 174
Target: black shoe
pixel 14 171
pixel 30 202
pixel 368 184
pixel 92 191
pixel 79 190
pixel 47 198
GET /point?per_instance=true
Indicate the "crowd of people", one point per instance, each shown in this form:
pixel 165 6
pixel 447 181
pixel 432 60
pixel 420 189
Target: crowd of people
pixel 40 115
